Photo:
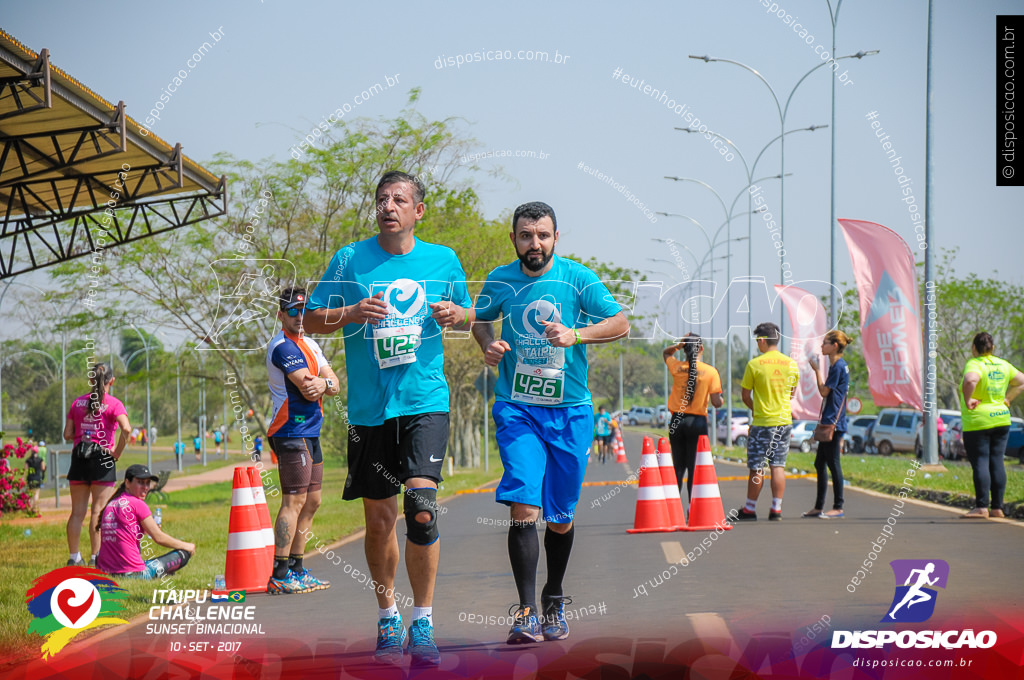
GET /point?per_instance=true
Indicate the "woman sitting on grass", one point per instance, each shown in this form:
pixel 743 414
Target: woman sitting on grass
pixel 124 520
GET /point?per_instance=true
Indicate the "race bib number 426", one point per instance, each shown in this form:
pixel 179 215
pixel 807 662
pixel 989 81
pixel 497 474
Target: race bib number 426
pixel 537 385
pixel 396 346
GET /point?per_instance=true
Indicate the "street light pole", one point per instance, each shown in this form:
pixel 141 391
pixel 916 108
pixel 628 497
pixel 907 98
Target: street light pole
pixel 782 111
pixel 149 439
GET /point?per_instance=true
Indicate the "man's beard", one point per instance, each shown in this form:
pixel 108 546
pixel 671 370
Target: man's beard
pixel 537 263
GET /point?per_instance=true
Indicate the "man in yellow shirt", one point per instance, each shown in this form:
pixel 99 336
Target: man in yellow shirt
pixel 769 383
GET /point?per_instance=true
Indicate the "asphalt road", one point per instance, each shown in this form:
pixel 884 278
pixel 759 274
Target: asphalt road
pixel 760 579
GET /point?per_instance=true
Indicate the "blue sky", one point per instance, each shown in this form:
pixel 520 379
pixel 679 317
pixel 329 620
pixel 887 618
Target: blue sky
pixel 280 67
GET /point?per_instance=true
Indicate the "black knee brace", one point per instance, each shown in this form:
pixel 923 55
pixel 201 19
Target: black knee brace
pixel 417 501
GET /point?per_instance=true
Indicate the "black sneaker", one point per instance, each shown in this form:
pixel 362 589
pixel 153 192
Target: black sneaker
pixel 525 626
pixel 775 515
pixel 744 515
pixel 553 623
pixel 75 563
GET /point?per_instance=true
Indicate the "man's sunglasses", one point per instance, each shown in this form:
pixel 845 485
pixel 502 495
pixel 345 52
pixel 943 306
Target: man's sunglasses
pixel 295 311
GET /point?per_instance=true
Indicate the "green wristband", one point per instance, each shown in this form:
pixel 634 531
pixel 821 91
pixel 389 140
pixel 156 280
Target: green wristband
pixel 579 339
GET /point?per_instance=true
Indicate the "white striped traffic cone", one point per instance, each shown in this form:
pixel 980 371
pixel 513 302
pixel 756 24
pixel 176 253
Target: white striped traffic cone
pixel 706 510
pixel 620 449
pixel 246 548
pixel 651 511
pixel 673 502
pixel 260 499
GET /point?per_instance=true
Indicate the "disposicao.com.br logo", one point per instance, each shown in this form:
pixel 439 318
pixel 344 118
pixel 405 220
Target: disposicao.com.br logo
pixel 69 600
pixel 913 602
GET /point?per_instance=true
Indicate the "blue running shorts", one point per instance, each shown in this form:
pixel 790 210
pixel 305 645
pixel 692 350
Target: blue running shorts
pixel 545 453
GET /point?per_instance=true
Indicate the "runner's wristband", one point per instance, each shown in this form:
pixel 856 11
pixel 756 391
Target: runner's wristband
pixel 579 340
pixel 467 318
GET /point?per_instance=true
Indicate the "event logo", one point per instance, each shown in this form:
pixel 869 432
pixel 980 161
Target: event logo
pixel 405 298
pixel 69 600
pixel 544 309
pixel 914 602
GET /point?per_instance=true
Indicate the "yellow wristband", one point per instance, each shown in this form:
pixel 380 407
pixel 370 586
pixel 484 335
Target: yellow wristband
pixel 579 339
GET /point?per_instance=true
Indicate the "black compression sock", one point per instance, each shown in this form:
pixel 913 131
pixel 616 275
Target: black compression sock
pixel 280 567
pixel 523 553
pixel 556 549
pixel 295 562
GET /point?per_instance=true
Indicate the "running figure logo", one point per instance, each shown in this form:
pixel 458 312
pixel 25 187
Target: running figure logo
pixel 914 602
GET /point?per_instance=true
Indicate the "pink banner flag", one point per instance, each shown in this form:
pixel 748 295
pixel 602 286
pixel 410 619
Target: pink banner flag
pixel 807 320
pixel 890 312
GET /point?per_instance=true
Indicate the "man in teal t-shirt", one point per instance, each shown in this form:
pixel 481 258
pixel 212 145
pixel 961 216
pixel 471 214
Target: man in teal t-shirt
pixel 393 295
pixel 550 307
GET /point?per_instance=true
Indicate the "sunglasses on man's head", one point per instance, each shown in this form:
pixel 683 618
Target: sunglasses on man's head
pixel 295 311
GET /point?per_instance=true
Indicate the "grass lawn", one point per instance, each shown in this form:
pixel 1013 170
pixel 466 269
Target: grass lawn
pixel 199 515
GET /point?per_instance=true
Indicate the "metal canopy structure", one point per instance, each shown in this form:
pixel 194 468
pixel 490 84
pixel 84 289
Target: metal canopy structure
pixel 77 175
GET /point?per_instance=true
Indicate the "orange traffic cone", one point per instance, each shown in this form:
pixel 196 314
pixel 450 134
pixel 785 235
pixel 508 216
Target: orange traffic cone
pixel 246 552
pixel 669 487
pixel 620 448
pixel 706 510
pixel 260 499
pixel 651 511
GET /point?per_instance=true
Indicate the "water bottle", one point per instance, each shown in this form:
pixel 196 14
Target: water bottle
pixel 219 584
pixel 158 517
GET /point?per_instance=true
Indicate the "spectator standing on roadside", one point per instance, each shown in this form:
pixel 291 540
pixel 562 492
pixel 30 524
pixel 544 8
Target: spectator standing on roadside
pixel 989 385
pixel 833 391
pixel 768 385
pixel 299 377
pixel 93 421
pixel 694 384
pixel 36 464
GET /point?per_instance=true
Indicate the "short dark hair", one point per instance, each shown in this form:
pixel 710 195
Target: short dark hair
pixel 768 331
pixel 289 294
pixel 396 176
pixel 984 343
pixel 533 211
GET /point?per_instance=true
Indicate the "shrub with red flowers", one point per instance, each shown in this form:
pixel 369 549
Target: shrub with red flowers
pixel 14 495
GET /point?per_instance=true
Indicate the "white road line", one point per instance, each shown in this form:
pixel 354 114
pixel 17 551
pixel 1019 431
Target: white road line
pixel 674 553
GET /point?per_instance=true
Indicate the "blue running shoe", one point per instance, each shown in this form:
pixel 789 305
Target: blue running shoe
pixel 421 643
pixel 289 585
pixel 525 626
pixel 307 579
pixel 390 638
pixel 555 626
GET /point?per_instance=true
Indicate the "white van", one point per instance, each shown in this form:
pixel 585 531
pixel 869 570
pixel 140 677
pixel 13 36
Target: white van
pixel 895 430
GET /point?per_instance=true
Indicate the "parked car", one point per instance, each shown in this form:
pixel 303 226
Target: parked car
pixel 663 415
pixel 857 428
pixel 951 445
pixel 1015 444
pixel 895 430
pixel 801 436
pixel 642 415
pixel 736 413
pixel 942 421
pixel 740 430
